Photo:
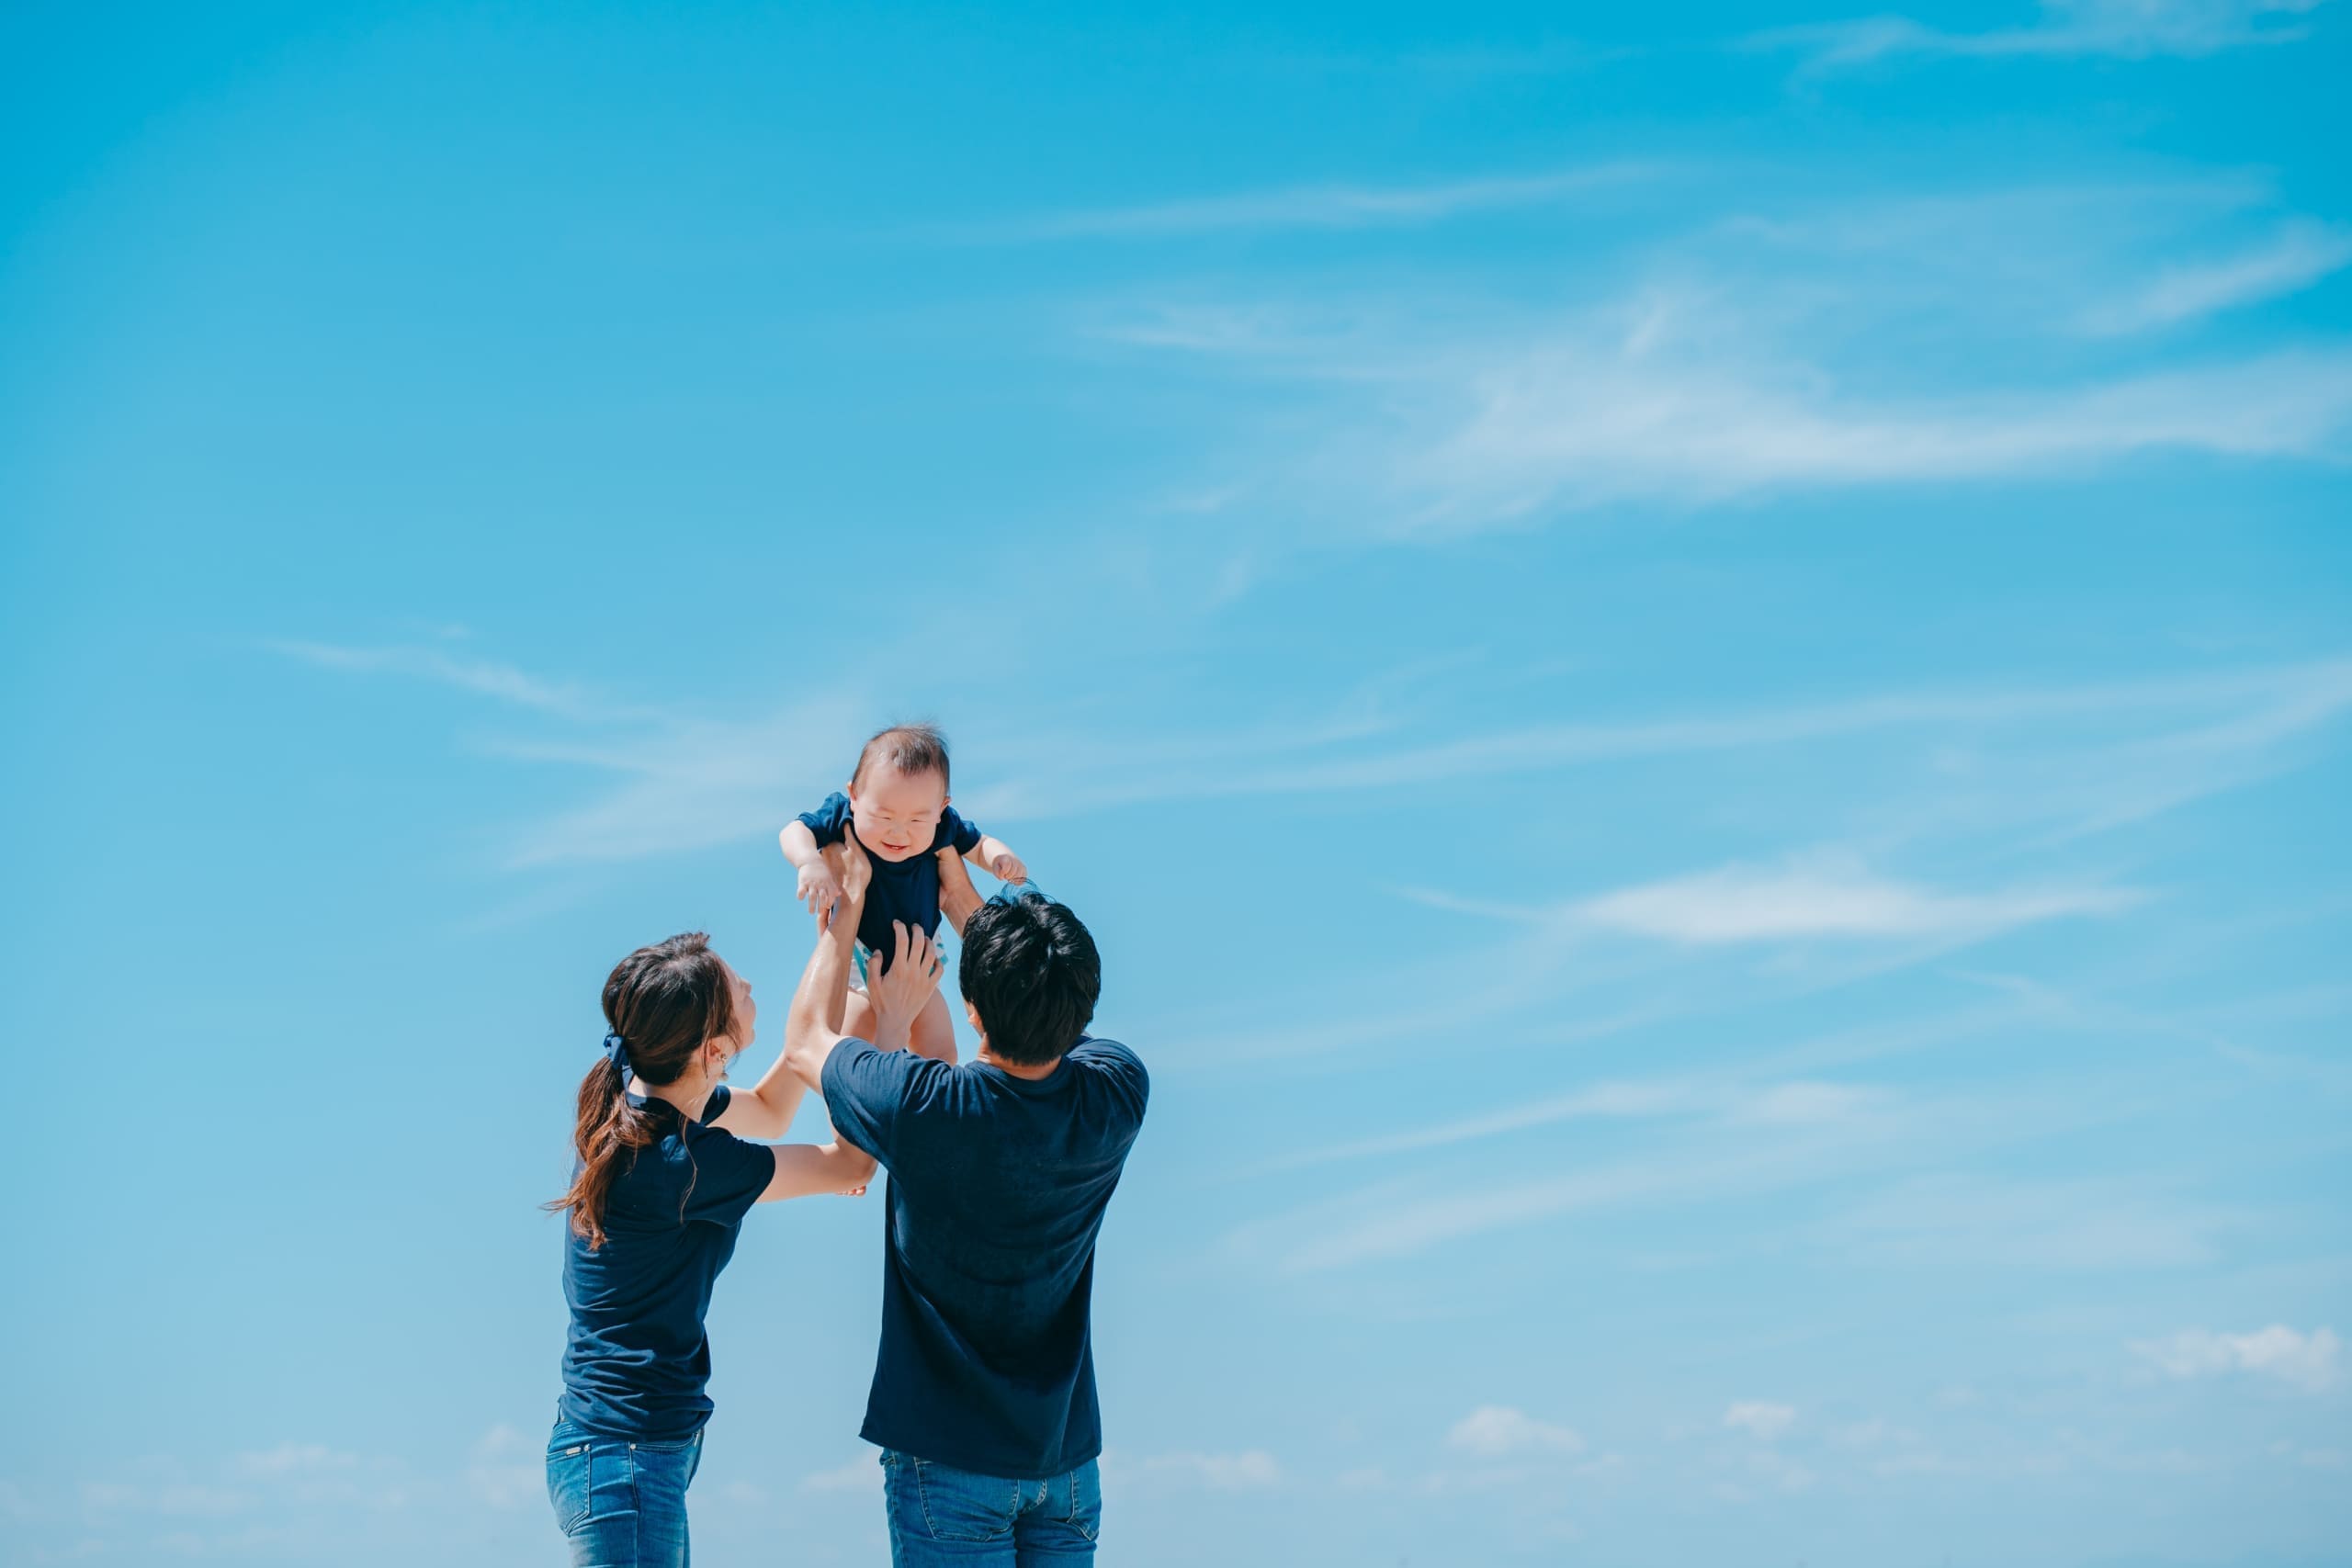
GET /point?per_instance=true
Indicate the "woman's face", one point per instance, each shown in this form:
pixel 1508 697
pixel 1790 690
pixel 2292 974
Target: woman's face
pixel 747 1018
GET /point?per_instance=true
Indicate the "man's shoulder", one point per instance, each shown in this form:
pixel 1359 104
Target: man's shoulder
pixel 1094 1048
pixel 1113 1059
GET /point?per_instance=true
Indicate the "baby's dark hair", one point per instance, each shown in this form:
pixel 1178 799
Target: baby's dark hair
pixel 910 748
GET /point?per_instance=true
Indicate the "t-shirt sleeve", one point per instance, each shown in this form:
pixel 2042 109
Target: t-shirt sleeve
pixel 955 831
pixel 868 1093
pixel 1120 1070
pixel 729 1177
pixel 830 821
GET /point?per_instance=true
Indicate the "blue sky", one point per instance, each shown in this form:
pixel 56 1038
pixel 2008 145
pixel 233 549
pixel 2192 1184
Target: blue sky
pixel 1694 667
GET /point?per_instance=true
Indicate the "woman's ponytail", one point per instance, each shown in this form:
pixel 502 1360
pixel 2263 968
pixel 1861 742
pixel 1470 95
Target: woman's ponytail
pixel 662 1004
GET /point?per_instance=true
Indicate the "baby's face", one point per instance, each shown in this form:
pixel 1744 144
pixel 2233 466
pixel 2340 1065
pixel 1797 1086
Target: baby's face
pixel 896 813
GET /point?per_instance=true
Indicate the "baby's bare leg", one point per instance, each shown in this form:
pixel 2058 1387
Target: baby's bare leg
pixel 858 1019
pixel 934 1032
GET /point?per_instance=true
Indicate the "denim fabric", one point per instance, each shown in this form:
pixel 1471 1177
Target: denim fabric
pixel 622 1504
pixel 941 1515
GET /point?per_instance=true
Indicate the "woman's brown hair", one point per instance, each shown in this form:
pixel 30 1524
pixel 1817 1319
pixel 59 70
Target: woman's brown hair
pixel 664 1003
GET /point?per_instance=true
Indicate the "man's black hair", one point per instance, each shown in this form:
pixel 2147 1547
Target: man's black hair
pixel 1029 970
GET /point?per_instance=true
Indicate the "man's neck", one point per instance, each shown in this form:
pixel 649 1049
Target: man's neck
pixel 1017 1069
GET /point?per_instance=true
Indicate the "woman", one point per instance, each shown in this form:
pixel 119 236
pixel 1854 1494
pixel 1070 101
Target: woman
pixel 663 1178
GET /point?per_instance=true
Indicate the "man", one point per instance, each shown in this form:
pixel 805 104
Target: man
pixel 983 1399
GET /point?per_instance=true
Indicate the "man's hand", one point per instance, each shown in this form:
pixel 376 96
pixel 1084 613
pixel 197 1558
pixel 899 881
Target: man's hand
pixel 900 992
pixel 1008 868
pixel 957 896
pixel 820 889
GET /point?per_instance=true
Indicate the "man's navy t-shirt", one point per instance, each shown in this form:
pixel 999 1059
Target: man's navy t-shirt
pixel 997 1191
pixel 902 889
pixel 638 1359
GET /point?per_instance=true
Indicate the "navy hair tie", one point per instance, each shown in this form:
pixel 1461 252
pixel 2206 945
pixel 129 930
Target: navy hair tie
pixel 616 1053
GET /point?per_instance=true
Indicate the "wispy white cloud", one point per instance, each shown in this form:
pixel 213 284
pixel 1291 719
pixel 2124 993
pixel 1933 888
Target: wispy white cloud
pixel 1809 1104
pixel 1578 422
pixel 1742 904
pixel 1786 1104
pixel 176 1498
pixel 2308 1362
pixel 1323 205
pixel 668 782
pixel 2255 708
pixel 2300 254
pixel 674 780
pixel 1760 1418
pixel 481 677
pixel 1622 1099
pixel 1248 1470
pixel 295 1460
pixel 2131 30
pixel 1772 351
pixel 683 784
pixel 506 1469
pixel 1503 1431
pixel 1386 1225
pixel 1958 1220
pixel 1917 1213
pixel 859 1475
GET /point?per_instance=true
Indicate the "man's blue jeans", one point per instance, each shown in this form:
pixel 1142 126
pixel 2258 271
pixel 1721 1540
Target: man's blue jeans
pixel 622 1504
pixel 941 1515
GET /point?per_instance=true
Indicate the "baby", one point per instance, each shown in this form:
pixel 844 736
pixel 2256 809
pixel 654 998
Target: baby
pixel 898 801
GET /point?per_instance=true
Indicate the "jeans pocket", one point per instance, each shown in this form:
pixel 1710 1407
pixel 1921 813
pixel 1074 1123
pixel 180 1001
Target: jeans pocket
pixel 959 1504
pixel 1085 1484
pixel 671 1462
pixel 568 1482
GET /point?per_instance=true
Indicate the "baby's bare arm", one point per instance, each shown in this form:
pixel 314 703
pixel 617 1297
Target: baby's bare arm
pixel 995 856
pixel 819 884
pixel 798 842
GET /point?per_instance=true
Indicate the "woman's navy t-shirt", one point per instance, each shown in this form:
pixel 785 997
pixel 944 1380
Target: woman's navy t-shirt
pixel 998 1187
pixel 902 889
pixel 638 1358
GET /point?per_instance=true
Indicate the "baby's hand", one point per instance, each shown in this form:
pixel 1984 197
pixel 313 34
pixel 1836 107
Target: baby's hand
pixel 819 889
pixel 1008 869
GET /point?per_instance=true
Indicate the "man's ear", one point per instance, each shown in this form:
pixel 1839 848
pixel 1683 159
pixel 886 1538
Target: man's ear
pixel 973 1013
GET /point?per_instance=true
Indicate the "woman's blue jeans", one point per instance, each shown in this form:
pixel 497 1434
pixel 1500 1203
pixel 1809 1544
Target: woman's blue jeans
pixel 623 1504
pixel 941 1515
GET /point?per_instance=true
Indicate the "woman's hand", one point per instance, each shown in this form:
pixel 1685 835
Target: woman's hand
pixel 850 873
pixel 900 992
